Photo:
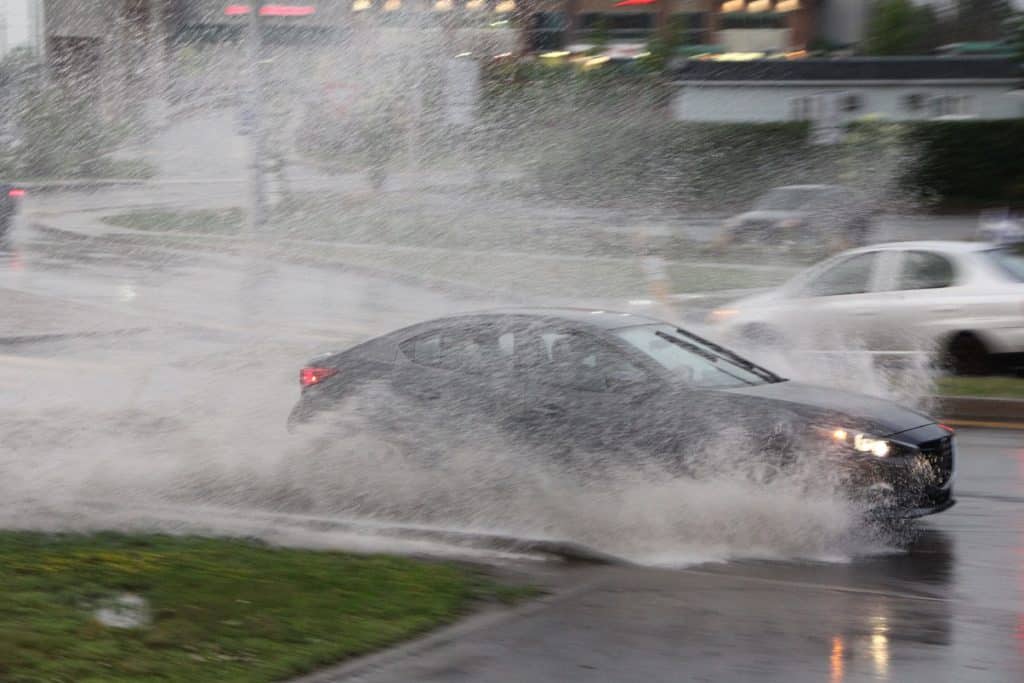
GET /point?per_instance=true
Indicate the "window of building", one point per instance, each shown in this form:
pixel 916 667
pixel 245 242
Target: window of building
pixel 807 108
pixel 915 102
pixel 850 103
pixel 952 105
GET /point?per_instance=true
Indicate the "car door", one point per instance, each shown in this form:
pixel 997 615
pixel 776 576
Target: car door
pixel 917 300
pixel 583 393
pixel 459 377
pixel 836 306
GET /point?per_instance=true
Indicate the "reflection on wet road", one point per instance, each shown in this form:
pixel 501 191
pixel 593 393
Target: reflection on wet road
pixel 948 606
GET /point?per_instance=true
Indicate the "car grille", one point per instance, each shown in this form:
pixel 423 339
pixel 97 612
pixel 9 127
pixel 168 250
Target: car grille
pixel 939 456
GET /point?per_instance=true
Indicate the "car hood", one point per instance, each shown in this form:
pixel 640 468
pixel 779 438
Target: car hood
pixel 838 408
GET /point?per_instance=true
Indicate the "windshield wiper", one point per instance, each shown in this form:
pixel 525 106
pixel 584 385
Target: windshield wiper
pixel 703 353
pixel 766 375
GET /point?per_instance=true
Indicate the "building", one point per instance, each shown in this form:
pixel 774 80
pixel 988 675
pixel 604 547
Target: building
pixel 21 26
pixel 834 91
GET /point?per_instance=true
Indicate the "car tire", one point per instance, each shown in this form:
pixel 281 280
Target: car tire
pixel 968 355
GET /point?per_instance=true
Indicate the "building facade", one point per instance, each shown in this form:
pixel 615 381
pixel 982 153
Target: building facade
pixel 21 26
pixel 835 92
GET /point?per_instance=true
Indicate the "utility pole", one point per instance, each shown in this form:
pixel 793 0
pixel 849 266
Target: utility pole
pixel 254 123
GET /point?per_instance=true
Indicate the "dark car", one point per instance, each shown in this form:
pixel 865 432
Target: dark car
pixel 805 214
pixel 619 383
pixel 10 200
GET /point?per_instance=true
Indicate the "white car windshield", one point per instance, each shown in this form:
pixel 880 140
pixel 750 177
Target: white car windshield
pixel 694 360
pixel 1009 260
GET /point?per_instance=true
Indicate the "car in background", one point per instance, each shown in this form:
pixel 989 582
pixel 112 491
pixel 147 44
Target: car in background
pixel 963 301
pixel 10 204
pixel 815 214
pixel 576 382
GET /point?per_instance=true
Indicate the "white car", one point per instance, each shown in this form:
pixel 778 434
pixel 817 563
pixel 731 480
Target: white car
pixel 963 301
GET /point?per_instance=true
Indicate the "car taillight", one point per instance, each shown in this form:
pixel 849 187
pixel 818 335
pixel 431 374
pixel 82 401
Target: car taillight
pixel 947 428
pixel 16 192
pixel 310 376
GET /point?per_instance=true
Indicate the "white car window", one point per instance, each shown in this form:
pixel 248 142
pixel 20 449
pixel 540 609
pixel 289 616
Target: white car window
pixel 924 270
pixel 850 276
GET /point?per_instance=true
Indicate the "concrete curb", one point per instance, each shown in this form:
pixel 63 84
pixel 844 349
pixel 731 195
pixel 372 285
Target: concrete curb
pixel 44 186
pixel 976 411
pixel 482 621
pixel 62 336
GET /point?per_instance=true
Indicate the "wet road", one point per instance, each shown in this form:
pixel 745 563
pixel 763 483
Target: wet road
pixel 947 604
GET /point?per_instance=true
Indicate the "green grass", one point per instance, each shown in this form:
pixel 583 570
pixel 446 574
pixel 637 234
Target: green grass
pixel 216 221
pixel 990 387
pixel 222 610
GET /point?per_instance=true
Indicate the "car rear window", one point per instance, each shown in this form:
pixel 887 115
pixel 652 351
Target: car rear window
pixel 1009 260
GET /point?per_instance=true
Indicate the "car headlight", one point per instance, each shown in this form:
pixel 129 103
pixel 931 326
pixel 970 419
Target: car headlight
pixel 858 441
pixel 790 223
pixel 720 315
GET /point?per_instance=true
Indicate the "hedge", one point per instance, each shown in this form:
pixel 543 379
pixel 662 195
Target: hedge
pixel 969 161
pixel 719 166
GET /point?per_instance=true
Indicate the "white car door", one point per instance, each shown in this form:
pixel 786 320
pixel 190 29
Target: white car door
pixel 836 307
pixel 923 293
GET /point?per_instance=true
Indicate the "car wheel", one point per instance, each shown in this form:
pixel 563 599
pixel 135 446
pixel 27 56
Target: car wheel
pixel 967 355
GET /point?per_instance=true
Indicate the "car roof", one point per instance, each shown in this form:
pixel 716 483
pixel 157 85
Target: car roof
pixel 947 246
pixel 589 317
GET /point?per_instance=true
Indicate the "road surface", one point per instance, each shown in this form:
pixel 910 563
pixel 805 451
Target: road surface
pixel 185 391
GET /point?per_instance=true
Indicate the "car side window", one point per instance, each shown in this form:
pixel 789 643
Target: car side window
pixel 924 270
pixel 477 349
pixel 580 361
pixel 850 276
pixel 424 350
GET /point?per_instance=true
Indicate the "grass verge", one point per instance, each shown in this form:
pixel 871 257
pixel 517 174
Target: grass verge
pixel 985 387
pixel 218 610
pixel 212 221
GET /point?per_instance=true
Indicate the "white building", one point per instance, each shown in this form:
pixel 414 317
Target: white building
pixel 21 25
pixel 835 91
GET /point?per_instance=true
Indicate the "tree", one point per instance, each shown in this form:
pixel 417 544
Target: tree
pixel 899 27
pixel 980 20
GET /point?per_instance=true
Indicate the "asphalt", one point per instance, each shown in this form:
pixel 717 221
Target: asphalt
pixel 943 601
pixel 945 606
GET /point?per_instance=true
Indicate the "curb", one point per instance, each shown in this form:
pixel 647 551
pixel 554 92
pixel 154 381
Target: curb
pixel 311 257
pixel 482 621
pixel 44 186
pixel 61 336
pixel 975 411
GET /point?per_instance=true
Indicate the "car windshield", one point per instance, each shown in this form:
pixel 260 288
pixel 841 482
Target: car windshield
pixel 697 361
pixel 1010 260
pixel 786 199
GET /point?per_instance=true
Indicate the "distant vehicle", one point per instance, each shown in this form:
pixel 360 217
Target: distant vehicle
pixel 1000 227
pixel 816 214
pixel 10 204
pixel 579 381
pixel 962 300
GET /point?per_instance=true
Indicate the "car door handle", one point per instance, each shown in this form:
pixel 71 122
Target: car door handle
pixel 864 314
pixel 946 309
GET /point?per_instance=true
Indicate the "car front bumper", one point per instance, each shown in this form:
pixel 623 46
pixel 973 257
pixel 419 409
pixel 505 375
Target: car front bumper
pixel 916 484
